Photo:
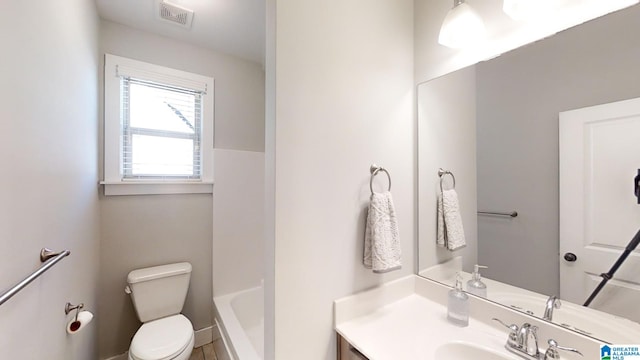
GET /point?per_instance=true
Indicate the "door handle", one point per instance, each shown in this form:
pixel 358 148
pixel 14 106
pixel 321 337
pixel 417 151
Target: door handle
pixel 636 186
pixel 570 257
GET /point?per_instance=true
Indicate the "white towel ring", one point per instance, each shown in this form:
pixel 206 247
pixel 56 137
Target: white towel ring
pixel 374 170
pixel 442 173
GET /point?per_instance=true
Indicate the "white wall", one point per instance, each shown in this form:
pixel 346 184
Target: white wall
pixel 238 221
pixel 140 231
pixel 343 100
pixel 49 191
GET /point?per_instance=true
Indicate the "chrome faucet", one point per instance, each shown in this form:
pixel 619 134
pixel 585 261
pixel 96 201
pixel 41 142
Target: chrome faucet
pixel 522 341
pixel 553 302
pixel 528 340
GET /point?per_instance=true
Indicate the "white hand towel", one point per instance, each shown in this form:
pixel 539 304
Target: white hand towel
pixel 450 231
pixel 382 241
pixel 441 239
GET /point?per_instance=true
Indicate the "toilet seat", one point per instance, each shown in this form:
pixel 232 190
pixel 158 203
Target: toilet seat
pixel 162 339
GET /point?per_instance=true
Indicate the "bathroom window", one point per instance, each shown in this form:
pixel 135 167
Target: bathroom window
pixel 158 129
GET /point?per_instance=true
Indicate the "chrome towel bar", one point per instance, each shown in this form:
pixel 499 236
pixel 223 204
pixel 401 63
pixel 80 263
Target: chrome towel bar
pixel 49 258
pixel 374 170
pixel 510 214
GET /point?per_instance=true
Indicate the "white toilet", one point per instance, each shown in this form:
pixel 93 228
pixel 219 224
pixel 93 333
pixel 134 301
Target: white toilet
pixel 158 295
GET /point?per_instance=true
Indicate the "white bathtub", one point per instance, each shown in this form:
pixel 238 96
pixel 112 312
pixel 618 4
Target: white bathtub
pixel 240 318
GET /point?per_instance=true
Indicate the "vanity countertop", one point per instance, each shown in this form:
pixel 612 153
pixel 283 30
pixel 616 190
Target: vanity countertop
pixel 410 326
pixel 406 319
pixel 413 328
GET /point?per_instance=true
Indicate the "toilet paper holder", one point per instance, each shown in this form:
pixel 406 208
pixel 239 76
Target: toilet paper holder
pixel 70 307
pixel 80 320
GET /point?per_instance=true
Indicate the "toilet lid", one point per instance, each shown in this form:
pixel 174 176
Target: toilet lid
pixel 161 339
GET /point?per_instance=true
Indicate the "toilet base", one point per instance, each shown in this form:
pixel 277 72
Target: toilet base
pixel 182 356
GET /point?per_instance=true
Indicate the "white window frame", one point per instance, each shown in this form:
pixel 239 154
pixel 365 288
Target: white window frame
pixel 114 181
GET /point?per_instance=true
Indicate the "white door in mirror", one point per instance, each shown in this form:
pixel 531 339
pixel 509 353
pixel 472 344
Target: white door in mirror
pixel 599 213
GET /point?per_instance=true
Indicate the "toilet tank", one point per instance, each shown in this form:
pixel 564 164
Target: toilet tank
pixel 159 291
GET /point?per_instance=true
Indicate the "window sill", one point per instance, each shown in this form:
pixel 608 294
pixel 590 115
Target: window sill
pixel 156 188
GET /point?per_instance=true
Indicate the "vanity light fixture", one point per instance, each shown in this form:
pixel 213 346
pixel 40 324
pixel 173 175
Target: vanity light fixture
pixel 461 27
pixel 527 9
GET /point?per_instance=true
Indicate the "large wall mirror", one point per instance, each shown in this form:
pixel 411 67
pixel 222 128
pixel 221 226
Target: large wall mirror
pixel 550 131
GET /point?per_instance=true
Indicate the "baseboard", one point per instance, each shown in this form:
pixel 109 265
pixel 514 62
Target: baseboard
pixel 124 356
pixel 205 336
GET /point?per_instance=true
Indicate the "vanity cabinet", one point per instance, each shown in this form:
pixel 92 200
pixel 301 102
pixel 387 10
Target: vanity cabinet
pixel 346 351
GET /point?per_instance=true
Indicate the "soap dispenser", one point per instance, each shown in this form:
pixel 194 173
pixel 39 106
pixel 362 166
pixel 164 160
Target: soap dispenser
pixel 475 285
pixel 458 305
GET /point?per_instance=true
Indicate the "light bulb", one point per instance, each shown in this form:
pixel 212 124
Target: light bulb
pixel 461 27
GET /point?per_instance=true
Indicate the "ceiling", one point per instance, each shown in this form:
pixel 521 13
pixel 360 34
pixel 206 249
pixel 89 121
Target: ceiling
pixel 235 27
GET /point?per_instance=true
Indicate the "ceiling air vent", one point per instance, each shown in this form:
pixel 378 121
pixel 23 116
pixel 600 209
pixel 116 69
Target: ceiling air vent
pixel 175 14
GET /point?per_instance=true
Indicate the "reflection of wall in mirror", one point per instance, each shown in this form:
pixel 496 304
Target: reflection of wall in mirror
pixel 503 32
pixel 519 97
pixel 446 126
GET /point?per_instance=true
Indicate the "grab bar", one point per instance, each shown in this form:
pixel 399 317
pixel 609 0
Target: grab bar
pixel 510 214
pixel 49 258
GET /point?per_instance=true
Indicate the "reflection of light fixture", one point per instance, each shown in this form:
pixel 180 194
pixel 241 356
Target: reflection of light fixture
pixel 461 27
pixel 526 9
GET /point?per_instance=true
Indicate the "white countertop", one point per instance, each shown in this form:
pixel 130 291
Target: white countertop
pixel 406 319
pixel 412 328
pixel 404 324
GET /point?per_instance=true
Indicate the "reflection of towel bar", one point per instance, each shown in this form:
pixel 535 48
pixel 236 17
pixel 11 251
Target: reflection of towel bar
pixel 511 214
pixel 442 173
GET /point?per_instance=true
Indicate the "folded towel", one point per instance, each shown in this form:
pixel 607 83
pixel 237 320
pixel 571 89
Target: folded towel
pixel 450 231
pixel 381 239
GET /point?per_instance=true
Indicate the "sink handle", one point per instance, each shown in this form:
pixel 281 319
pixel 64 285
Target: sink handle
pixel 512 327
pixel 552 351
pixel 513 334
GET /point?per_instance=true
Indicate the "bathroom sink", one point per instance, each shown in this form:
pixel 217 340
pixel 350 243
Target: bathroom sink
pixel 466 351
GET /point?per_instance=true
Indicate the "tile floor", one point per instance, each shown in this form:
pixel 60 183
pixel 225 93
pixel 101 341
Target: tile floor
pixel 211 351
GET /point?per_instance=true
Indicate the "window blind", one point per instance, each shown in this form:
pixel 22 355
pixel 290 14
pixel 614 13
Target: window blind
pixel 186 81
pixel 161 130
